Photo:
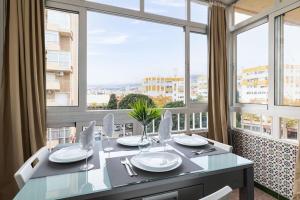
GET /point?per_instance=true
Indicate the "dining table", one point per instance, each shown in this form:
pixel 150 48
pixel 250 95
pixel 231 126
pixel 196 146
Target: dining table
pixel 199 175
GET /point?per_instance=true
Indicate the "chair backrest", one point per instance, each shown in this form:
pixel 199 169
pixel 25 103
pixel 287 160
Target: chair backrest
pixel 30 166
pixel 220 145
pixel 225 147
pixel 222 194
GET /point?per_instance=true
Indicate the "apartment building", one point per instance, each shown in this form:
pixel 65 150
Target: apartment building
pixel 61 41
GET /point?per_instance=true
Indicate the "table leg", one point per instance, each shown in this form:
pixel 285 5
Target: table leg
pixel 247 192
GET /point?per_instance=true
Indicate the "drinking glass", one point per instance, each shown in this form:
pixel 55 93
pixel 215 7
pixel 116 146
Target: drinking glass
pixel 87 166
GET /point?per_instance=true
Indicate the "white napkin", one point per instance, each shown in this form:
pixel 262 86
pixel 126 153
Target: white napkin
pixel 87 137
pixel 164 130
pixel 168 114
pixel 108 125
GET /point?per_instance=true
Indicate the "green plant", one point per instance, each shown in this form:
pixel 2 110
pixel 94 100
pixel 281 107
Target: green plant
pixel 144 113
pixel 113 102
pixel 130 99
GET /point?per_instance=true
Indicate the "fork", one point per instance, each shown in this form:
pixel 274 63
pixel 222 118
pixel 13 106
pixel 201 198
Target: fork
pixel 123 161
pixel 204 151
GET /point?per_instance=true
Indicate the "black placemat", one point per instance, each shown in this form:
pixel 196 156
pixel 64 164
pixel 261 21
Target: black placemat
pixel 188 151
pixel 118 175
pixel 48 168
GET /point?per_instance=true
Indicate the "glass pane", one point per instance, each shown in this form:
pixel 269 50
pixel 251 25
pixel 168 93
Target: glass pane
pixel 290 68
pixel 61 41
pixel 198 67
pixel 289 128
pixel 266 122
pixel 130 4
pixel 61 135
pixel 204 121
pixel 199 12
pixel 252 65
pixel 244 9
pixel 169 8
pixel 250 121
pixel 129 59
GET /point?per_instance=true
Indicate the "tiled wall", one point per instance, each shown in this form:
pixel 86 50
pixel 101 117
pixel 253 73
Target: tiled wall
pixel 274 161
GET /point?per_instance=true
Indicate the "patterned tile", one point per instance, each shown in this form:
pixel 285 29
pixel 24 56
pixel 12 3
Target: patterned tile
pixel 274 161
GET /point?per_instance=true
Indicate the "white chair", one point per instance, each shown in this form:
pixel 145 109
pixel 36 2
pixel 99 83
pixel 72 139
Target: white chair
pixel 222 194
pixel 30 166
pixel 220 145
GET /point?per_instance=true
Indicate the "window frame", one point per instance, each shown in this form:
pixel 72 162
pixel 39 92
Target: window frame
pixel 80 115
pixel 271 109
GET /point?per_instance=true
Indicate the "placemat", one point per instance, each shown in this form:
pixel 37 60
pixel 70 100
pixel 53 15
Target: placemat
pixel 118 175
pixel 48 168
pixel 188 151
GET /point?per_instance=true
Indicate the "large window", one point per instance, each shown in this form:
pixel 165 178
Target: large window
pixel 199 12
pixel 252 65
pixel 128 56
pixel 198 68
pixel 244 9
pixel 130 4
pixel 61 58
pixel 289 65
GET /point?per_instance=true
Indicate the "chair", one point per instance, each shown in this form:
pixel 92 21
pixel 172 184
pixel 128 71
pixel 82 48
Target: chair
pixel 220 145
pixel 222 194
pixel 30 166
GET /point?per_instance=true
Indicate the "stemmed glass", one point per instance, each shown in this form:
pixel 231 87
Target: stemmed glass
pixel 108 130
pixel 165 132
pixel 87 147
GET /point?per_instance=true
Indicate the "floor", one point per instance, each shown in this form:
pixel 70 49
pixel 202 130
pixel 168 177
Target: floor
pixel 258 195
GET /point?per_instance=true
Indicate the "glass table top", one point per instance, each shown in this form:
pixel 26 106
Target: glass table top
pixel 97 180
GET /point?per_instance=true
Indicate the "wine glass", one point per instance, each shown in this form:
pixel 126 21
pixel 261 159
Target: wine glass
pixel 87 147
pixel 108 129
pixel 164 132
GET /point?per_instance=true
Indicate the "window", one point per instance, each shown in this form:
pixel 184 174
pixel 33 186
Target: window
pixel 289 72
pixel 128 56
pixel 244 9
pixel 61 58
pixel 130 4
pixel 61 135
pixel 199 12
pixel 198 121
pixel 198 68
pixel 289 128
pixel 252 65
pixel 51 38
pixel 170 8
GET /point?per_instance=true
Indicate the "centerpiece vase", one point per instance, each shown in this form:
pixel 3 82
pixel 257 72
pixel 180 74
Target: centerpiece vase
pixel 145 142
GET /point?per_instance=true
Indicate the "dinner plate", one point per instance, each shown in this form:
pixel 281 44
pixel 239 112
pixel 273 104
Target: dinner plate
pixel 156 161
pixel 131 141
pixel 192 141
pixel 70 154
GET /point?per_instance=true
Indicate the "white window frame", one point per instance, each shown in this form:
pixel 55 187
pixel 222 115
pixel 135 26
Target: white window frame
pixel 271 109
pixel 80 115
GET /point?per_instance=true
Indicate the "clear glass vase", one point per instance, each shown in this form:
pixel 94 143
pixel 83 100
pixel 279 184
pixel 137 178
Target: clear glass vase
pixel 145 142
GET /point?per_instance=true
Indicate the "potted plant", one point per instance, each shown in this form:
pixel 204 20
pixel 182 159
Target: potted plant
pixel 144 114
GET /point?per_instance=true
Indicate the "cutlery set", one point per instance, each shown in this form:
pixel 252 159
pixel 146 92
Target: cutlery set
pixel 128 166
pixel 204 151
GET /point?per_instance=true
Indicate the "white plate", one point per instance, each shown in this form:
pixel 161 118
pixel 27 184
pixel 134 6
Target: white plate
pixel 156 161
pixel 131 141
pixel 69 154
pixel 192 141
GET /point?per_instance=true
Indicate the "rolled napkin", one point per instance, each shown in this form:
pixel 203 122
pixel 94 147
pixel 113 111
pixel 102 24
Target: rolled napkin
pixel 168 114
pixel 164 131
pixel 108 125
pixel 87 138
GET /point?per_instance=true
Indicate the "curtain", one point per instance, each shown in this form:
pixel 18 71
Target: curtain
pixel 22 98
pixel 296 189
pixel 217 84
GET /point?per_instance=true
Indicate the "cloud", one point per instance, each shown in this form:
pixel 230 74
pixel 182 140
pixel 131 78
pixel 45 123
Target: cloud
pixel 101 36
pixel 173 3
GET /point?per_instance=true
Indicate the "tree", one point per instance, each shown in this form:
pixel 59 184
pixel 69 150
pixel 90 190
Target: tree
pixel 113 102
pixel 174 104
pixel 130 99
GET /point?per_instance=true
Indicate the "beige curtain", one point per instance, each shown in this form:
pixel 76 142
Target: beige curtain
pixel 22 98
pixel 296 192
pixel 217 84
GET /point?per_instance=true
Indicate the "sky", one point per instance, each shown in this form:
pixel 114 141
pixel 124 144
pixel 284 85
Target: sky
pixel 124 50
